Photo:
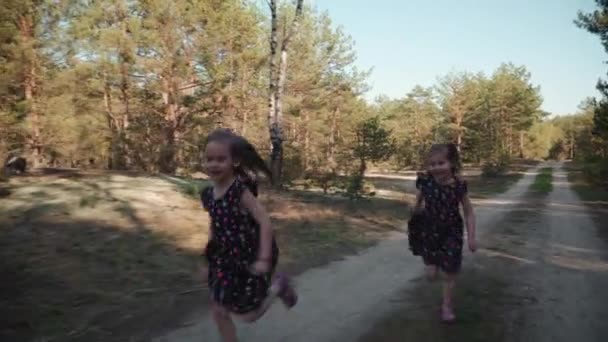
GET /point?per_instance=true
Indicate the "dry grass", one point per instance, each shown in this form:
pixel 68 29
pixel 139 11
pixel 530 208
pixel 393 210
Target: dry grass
pixel 105 256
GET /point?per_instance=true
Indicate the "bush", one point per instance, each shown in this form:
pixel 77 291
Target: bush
pixel 325 180
pixel 358 187
pixel 596 171
pixel 496 166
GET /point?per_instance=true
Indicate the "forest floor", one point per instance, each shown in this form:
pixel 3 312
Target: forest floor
pixel 98 256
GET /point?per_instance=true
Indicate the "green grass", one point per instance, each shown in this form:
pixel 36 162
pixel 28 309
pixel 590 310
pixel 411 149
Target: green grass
pixel 89 201
pixel 188 186
pixel 485 186
pixel 543 183
pixel 584 188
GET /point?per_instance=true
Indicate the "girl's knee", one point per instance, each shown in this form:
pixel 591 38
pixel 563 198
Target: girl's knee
pixel 249 318
pixel 219 312
pixel 450 277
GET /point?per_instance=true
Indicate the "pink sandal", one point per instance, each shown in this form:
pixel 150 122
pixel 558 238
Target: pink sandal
pixel 286 293
pixel 447 313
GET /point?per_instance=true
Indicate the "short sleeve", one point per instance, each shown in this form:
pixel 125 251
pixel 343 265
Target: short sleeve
pixel 251 184
pixel 420 180
pixel 206 194
pixel 463 188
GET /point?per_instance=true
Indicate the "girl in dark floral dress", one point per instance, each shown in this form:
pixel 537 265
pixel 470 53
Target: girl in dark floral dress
pixel 242 252
pixel 437 225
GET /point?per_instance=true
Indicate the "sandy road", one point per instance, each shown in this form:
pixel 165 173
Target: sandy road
pixel 541 275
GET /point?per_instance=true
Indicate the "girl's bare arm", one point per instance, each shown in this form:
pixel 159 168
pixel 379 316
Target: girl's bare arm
pixel 469 215
pixel 263 219
pixel 419 201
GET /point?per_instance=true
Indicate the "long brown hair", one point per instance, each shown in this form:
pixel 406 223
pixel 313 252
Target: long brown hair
pixel 244 153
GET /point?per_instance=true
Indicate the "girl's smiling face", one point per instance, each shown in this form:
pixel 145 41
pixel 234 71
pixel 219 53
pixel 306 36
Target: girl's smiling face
pixel 439 165
pixel 219 163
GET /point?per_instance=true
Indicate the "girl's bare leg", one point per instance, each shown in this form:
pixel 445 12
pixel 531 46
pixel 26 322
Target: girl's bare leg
pixel 281 287
pixel 224 323
pixel 431 272
pixel 447 311
pixel 257 314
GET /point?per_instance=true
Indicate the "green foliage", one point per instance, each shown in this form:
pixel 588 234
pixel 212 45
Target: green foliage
pixel 496 166
pixel 373 143
pixel 414 121
pixel 138 84
pixel 596 23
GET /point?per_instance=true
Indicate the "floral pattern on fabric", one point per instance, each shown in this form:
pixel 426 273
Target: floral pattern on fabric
pixel 232 249
pixel 442 237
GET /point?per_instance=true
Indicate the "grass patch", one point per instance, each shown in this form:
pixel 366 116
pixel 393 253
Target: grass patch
pixel 188 186
pixel 584 188
pixel 543 183
pixel 89 201
pixel 314 229
pixel 485 186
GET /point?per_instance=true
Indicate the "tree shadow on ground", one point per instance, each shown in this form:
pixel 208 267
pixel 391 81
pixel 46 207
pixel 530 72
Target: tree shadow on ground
pixel 75 279
pixel 85 281
pixel 111 274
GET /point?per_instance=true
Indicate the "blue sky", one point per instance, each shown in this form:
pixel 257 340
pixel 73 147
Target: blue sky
pixel 409 42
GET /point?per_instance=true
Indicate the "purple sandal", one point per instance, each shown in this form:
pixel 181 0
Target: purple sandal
pixel 447 313
pixel 286 293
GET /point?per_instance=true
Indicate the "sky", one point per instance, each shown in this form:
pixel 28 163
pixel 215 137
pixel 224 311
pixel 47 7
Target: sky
pixel 410 42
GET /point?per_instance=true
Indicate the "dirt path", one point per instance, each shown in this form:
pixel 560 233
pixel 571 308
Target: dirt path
pixel 541 276
pixel 571 272
pixel 344 300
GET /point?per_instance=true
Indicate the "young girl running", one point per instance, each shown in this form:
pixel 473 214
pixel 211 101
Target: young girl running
pixel 242 252
pixel 440 193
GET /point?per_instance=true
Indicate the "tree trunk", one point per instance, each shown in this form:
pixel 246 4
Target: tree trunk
pixel 125 122
pixel 572 146
pixel 275 138
pixel 167 156
pixel 276 88
pixel 306 129
pixel 459 131
pixel 521 144
pixel 459 139
pixel 362 168
pixel 332 140
pixel 27 31
pixel 510 139
pixel 111 121
pixel 167 153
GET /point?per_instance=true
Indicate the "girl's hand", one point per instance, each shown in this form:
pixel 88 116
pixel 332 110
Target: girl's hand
pixel 416 211
pixel 261 267
pixel 204 273
pixel 472 245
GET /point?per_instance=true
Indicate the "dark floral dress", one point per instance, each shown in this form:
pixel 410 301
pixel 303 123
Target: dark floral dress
pixel 232 249
pixel 441 239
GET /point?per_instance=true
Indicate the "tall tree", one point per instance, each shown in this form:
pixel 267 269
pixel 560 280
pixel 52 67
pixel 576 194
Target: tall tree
pixel 277 76
pixel 459 99
pixel 596 23
pixel 413 121
pixel 26 26
pixel 322 97
pixel 106 32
